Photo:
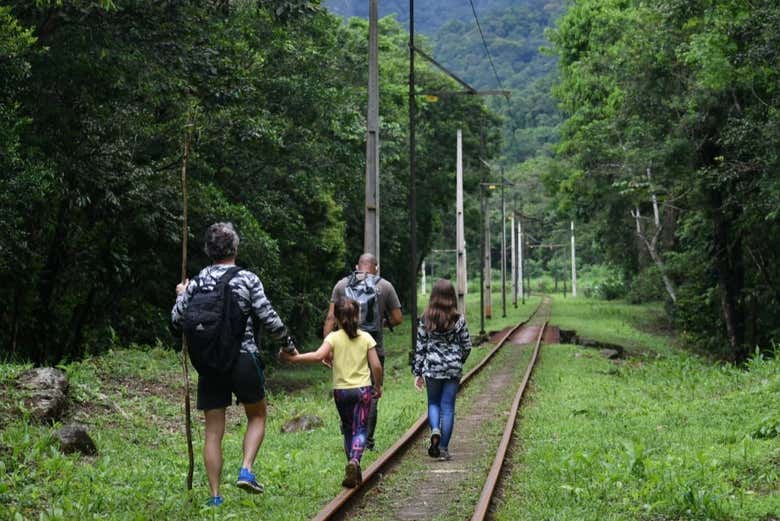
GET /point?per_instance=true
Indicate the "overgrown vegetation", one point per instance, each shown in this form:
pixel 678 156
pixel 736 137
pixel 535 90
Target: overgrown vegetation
pixel 130 400
pixel 660 435
pixel 95 100
pixel 670 153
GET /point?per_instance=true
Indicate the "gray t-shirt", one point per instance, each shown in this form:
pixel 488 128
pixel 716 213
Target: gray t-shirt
pixel 388 301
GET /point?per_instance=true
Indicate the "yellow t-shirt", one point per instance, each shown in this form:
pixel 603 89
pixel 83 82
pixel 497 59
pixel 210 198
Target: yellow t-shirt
pixel 350 359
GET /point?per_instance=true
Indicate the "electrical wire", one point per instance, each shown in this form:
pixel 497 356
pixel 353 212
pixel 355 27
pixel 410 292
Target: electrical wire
pixel 484 43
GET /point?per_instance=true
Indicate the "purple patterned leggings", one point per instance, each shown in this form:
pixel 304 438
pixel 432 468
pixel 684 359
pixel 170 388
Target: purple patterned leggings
pixel 353 406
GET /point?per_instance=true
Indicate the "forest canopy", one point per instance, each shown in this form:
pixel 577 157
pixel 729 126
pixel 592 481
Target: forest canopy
pixel 96 100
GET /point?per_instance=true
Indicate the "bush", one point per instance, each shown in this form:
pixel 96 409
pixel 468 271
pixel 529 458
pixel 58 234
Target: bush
pixel 647 286
pixel 610 289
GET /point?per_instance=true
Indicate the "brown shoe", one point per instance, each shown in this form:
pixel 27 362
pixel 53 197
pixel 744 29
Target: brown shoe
pixel 352 475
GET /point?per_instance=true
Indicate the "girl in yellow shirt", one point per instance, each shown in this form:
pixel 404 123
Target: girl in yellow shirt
pixel 353 356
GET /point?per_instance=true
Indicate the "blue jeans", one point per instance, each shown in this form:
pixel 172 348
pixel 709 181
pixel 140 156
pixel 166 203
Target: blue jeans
pixel 441 406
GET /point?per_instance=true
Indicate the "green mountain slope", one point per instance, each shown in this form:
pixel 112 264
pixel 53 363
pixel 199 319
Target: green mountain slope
pixel 514 33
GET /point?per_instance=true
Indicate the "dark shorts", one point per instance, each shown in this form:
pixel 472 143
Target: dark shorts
pixel 246 381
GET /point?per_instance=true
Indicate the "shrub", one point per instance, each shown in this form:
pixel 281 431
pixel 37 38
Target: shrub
pixel 647 286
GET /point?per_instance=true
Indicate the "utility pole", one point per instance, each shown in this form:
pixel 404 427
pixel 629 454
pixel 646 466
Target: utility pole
pixel 412 183
pixel 460 236
pixel 520 254
pixel 482 264
pixel 503 247
pixel 513 246
pixel 371 228
pixel 423 278
pixel 488 262
pixel 573 264
pixel 468 91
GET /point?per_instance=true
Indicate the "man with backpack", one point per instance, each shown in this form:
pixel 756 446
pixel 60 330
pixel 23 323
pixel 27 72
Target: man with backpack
pixel 218 311
pixel 379 306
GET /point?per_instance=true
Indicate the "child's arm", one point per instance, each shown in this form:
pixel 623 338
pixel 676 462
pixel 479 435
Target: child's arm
pixel 319 355
pixel 376 371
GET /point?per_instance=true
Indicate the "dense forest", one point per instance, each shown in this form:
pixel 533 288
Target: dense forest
pixel 667 157
pixel 96 100
pixel 673 131
pixel 663 149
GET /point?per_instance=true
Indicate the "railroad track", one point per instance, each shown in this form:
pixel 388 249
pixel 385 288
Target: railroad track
pixel 339 507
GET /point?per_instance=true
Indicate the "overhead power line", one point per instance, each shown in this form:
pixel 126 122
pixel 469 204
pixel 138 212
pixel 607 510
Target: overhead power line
pixel 484 43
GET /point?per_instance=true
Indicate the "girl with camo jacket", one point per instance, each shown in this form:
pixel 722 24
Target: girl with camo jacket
pixel 442 347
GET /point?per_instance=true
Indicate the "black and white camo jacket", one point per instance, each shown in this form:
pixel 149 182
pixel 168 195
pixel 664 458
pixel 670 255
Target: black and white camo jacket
pixel 441 354
pixel 251 299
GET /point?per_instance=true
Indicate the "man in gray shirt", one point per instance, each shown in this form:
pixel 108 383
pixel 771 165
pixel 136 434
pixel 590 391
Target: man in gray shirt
pixel 389 314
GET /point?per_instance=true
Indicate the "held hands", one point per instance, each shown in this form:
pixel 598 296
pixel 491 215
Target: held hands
pixel 328 361
pixel 287 356
pixel 419 383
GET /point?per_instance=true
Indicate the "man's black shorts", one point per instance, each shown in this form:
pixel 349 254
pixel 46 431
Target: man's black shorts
pixel 246 381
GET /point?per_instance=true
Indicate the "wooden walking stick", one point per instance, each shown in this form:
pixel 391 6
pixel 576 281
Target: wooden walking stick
pixel 185 367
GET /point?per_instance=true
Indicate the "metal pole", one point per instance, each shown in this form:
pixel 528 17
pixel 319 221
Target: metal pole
pixel 482 264
pixel 423 278
pixel 460 236
pixel 573 264
pixel 513 257
pixel 488 265
pixel 483 209
pixel 520 263
pixel 371 227
pixel 412 182
pixel 503 248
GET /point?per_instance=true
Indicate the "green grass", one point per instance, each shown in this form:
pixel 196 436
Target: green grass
pixel 661 436
pixel 131 401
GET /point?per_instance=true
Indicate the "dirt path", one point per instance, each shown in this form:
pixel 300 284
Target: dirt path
pixel 421 488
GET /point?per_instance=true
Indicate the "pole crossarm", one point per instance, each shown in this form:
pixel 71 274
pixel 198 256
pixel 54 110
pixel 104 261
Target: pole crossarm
pixel 547 246
pixel 469 88
pixel 444 93
pixel 470 91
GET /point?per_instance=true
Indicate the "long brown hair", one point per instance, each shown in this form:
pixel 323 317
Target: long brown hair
pixel 347 313
pixel 442 312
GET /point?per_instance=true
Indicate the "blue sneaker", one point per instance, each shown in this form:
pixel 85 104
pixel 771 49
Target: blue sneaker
pixel 214 501
pixel 247 481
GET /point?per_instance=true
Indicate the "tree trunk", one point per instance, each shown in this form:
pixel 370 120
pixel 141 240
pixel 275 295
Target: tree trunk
pixel 46 285
pixel 662 268
pixel 652 248
pixel 730 271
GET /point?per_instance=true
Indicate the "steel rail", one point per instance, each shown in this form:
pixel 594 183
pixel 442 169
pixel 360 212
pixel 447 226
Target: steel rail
pixel 481 510
pixel 335 506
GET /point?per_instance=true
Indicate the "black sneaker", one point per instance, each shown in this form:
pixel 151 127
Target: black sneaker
pixel 433 450
pixel 369 444
pixel 352 475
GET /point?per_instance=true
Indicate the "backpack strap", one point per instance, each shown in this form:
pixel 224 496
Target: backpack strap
pixel 229 274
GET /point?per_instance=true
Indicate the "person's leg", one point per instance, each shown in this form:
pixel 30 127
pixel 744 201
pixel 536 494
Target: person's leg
pixel 256 414
pixel 212 447
pixel 373 411
pixel 353 406
pixel 449 391
pixel 248 385
pixel 213 399
pixel 433 388
pixel 360 414
pixel 344 404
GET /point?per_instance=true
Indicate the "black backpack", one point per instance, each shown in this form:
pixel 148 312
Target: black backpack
pixel 214 327
pixel 365 292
